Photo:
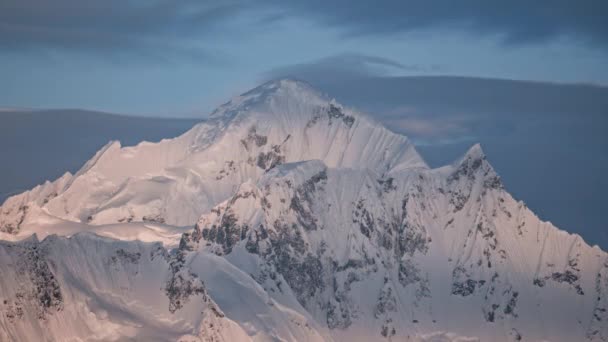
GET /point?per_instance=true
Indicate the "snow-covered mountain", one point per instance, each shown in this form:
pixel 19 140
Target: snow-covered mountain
pixel 311 222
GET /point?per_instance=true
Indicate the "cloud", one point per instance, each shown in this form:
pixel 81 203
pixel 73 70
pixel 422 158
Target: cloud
pixel 516 21
pixel 161 28
pixel 155 29
pixel 447 107
pixel 343 66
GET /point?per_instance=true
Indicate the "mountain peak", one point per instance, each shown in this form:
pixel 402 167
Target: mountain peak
pixel 288 92
pixel 475 152
pixel 475 166
pixel 284 85
pixel 305 124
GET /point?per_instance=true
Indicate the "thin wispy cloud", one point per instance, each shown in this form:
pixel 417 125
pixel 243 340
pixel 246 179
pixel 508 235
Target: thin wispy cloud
pixel 514 22
pixel 154 30
pixel 189 27
pixel 442 107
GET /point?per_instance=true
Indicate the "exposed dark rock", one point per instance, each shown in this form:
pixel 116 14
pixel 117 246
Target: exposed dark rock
pixel 423 289
pixel 351 278
pixel 464 288
pixel 154 218
pixel 539 282
pixel 459 198
pixel 386 302
pixel 253 239
pixel 388 330
pixel 14 308
pixel 412 239
pixel 49 197
pixel 159 252
pixel 189 241
pixel 467 169
pixel 270 159
pixel 385 241
pixel 408 273
pixel 462 284
pixel 567 277
pixel 305 277
pixel 510 308
pixel 303 200
pixel 338 316
pixel 364 218
pixel 46 292
pixel 285 251
pixel 490 315
pixel 125 257
pixel 227 234
pixel 351 264
pixel 253 138
pixel 493 182
pixel 573 264
pixel 127 219
pixel 14 227
pixel 182 283
pixel 228 169
pixel 516 335
pixel 387 184
pixel 334 112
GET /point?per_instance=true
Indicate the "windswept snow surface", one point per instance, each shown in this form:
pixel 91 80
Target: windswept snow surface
pixel 287 216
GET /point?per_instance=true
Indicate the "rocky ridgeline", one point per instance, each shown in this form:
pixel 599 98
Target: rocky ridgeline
pixel 394 241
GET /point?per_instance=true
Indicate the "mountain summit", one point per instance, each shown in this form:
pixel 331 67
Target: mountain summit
pixel 286 216
pixel 279 122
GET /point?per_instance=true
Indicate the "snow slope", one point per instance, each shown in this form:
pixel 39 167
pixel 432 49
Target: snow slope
pixel 311 222
pixel 88 287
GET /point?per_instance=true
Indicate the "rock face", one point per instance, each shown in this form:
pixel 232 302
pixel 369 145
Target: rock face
pixel 411 251
pixel 89 287
pixel 311 222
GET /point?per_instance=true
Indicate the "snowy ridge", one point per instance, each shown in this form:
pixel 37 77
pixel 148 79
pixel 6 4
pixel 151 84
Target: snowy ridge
pixel 311 222
pixel 176 180
pixel 359 252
